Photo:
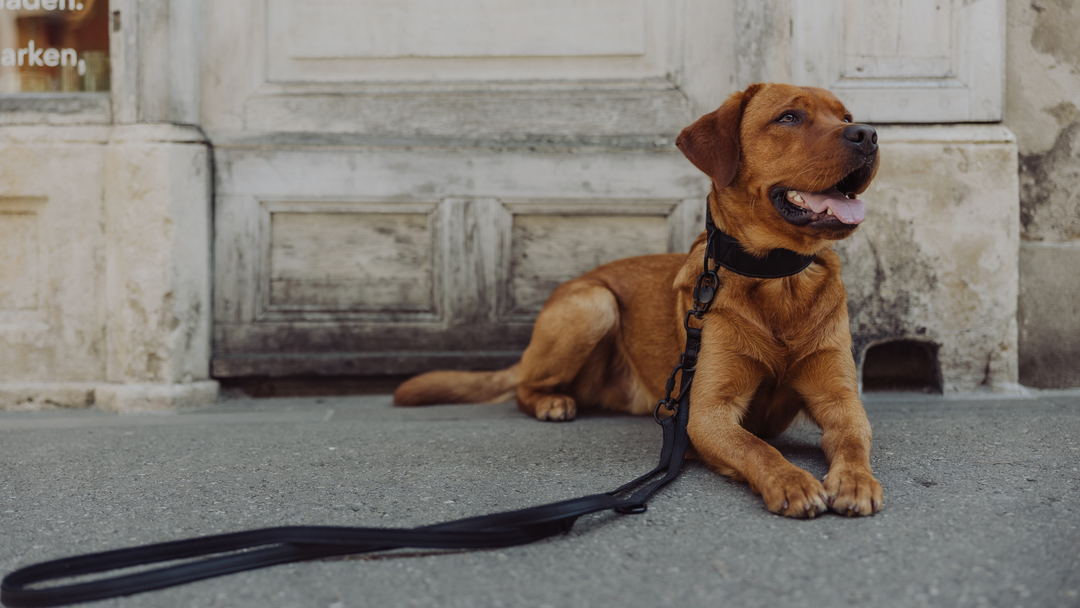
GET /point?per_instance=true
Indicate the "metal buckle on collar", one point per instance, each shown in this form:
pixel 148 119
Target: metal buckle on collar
pixel 708 283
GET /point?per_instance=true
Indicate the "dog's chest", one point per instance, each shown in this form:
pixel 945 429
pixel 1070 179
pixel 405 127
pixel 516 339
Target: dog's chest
pixel 785 319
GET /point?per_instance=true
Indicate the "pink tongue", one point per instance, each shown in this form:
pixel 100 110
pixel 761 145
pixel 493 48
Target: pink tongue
pixel 848 210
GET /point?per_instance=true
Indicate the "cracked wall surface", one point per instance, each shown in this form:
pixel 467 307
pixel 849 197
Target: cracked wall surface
pixel 1042 97
pixel 935 261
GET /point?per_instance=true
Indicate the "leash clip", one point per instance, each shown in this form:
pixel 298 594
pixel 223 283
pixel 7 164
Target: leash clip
pixel 668 403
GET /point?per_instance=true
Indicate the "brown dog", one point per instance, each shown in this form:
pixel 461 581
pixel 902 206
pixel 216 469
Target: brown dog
pixel 781 159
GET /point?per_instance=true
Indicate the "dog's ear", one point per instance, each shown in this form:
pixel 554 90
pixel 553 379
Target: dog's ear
pixel 712 143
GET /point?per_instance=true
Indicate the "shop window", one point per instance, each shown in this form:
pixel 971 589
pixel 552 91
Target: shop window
pixel 54 46
pixel 902 365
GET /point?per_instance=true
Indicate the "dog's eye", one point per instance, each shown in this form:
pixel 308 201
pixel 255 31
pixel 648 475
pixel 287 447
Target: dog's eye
pixel 847 119
pixel 788 118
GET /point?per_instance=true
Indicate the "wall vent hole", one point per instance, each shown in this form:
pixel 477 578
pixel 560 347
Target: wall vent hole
pixel 902 365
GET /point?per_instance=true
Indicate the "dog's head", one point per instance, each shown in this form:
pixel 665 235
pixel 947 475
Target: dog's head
pixel 786 163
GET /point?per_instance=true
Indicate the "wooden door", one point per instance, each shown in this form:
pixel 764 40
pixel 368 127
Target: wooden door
pixel 400 185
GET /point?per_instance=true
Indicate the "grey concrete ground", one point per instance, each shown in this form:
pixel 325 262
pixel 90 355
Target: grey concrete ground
pixel 982 504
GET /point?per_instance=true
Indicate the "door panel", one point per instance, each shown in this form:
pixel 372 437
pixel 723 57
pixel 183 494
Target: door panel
pixel 918 61
pixel 430 41
pixel 331 29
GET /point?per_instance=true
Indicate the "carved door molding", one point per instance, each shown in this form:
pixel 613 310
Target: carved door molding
pixel 904 61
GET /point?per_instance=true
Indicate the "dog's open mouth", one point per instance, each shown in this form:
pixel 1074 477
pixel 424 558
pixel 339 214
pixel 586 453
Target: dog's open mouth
pixel 832 207
pixel 806 207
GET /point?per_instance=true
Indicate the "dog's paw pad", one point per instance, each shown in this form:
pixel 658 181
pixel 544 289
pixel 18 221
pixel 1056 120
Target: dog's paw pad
pixel 556 408
pixel 795 493
pixel 853 493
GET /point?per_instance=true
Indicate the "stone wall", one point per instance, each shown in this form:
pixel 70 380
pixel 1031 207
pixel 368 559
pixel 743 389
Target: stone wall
pixel 1043 95
pixel 105 248
pixel 935 262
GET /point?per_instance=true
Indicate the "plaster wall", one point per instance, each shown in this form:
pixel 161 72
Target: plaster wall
pixel 157 219
pixel 1043 95
pixel 52 254
pixel 936 260
pixel 157 211
pixel 104 267
pixel 105 228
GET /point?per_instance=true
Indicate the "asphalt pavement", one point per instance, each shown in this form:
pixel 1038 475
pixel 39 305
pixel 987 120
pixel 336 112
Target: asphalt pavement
pixel 982 504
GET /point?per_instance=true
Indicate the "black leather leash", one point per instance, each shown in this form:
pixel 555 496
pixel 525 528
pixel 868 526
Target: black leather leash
pixel 211 556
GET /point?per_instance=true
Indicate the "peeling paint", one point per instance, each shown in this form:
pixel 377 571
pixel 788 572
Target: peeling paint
pixel 886 282
pixel 1050 190
pixel 1055 30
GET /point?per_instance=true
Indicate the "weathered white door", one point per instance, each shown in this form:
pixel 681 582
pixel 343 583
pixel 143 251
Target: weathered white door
pixel 399 185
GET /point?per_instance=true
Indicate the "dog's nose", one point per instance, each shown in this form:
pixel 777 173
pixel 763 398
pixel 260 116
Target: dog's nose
pixel 864 137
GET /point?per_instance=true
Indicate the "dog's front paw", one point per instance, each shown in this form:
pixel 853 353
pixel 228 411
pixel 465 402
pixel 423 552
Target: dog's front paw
pixel 794 493
pixel 853 491
pixel 558 408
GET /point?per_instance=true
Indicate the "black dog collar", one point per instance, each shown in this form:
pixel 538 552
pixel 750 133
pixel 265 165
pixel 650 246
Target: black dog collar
pixel 726 251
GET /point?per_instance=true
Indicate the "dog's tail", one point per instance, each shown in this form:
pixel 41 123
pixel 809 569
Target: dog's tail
pixel 458 387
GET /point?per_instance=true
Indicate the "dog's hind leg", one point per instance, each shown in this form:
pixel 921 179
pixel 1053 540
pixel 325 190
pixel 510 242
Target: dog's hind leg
pixel 578 316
